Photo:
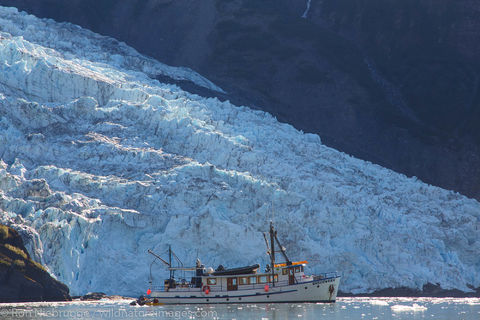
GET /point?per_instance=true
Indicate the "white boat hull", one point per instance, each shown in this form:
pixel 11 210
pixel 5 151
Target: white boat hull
pixel 311 291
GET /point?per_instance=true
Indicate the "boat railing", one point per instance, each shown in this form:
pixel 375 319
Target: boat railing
pixel 326 275
pixel 188 287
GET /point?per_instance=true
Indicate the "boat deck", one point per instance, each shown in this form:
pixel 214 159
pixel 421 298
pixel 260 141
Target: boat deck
pixel 188 287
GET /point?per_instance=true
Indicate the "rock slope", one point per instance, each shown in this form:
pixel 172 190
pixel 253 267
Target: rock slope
pixel 21 278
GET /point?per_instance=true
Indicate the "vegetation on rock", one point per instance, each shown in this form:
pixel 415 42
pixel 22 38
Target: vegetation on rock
pixel 21 278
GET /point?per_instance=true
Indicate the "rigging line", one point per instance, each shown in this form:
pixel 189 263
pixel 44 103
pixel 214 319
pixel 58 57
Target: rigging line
pixel 177 258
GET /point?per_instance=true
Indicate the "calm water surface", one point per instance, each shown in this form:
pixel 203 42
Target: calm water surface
pixel 345 308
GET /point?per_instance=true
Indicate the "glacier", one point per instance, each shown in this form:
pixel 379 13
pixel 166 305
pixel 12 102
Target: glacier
pixel 100 162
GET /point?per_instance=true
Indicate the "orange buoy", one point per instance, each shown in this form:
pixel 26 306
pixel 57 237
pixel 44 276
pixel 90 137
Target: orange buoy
pixel 149 291
pixel 266 288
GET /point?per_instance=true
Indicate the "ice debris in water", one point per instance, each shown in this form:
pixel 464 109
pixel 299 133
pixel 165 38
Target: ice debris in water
pixel 405 308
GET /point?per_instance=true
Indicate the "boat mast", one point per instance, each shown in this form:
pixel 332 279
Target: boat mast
pixel 170 261
pixel 272 252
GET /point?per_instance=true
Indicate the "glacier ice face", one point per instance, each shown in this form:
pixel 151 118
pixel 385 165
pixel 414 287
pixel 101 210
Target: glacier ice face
pixel 100 163
pixel 79 44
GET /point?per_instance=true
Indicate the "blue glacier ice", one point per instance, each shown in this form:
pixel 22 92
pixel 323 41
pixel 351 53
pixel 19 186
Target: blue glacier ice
pixel 99 162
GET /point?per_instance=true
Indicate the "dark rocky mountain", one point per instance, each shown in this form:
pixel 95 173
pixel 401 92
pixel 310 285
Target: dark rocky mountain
pixel 393 82
pixel 21 278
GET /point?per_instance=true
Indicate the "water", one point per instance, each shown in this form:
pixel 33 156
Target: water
pixel 345 308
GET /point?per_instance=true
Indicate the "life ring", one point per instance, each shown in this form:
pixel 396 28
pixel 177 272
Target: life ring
pixel 206 289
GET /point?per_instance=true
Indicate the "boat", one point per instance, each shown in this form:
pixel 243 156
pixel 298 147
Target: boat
pixel 284 281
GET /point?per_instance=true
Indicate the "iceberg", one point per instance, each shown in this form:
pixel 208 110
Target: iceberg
pixel 100 162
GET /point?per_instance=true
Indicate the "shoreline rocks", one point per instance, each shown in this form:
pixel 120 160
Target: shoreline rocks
pixel 21 278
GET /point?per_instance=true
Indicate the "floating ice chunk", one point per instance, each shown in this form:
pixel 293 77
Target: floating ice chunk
pixel 378 302
pixel 404 308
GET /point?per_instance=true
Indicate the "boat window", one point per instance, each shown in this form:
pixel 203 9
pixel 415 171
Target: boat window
pixel 212 281
pixel 253 280
pixel 262 279
pixel 243 280
pixel 234 281
pixel 301 268
pixel 297 269
pixel 284 271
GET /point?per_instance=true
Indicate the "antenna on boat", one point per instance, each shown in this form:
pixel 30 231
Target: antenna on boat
pixel 273 212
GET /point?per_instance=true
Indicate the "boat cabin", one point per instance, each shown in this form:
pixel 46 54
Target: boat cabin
pixel 282 275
